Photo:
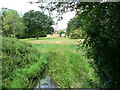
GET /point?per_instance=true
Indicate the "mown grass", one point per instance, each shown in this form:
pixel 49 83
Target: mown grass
pixel 52 40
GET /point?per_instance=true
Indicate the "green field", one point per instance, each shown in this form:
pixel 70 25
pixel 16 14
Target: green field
pixel 24 63
pixel 68 65
pixel 53 40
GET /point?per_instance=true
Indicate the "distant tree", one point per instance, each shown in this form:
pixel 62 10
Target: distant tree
pixel 12 23
pixel 38 24
pixel 74 30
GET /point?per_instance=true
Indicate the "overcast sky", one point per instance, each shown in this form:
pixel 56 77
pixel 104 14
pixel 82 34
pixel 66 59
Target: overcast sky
pixel 23 6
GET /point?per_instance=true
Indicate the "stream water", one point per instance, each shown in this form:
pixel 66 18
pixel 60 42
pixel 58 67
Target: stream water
pixel 47 82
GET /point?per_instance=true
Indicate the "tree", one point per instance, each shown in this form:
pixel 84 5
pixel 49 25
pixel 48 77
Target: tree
pixel 12 24
pixel 74 30
pixel 100 23
pixel 38 24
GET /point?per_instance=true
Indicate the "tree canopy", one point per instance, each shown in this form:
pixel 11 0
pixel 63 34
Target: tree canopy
pixel 38 24
pixel 101 26
pixel 12 23
pixel 74 29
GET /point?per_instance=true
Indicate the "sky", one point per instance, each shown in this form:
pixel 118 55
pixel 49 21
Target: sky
pixel 22 6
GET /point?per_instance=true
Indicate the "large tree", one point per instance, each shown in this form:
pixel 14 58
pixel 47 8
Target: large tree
pixel 38 24
pixel 12 23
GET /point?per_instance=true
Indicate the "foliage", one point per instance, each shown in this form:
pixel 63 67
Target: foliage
pixel 73 24
pixel 100 25
pixel 38 24
pixel 100 22
pixel 75 34
pixel 59 7
pixel 22 64
pixel 12 23
pixel 74 30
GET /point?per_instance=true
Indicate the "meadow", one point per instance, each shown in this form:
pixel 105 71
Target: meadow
pixel 53 40
pixel 67 63
pixel 27 60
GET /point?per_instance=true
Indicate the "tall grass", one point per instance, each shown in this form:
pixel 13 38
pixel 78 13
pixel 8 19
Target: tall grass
pixel 69 68
pixel 24 63
pixel 21 64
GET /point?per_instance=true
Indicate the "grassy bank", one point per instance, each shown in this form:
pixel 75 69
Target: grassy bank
pixel 21 64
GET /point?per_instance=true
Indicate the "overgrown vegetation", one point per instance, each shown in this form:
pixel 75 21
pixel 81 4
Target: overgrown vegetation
pixel 97 23
pixel 69 68
pixel 21 64
pixel 100 23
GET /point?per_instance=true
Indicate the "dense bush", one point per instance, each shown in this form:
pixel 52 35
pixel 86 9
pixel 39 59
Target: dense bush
pixel 102 28
pixel 21 64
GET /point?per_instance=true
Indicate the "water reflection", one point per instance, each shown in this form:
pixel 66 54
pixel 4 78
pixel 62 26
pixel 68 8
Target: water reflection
pixel 47 82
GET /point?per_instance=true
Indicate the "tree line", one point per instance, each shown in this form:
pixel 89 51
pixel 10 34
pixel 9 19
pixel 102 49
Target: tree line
pixel 31 24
